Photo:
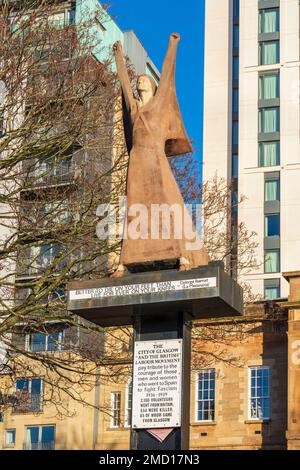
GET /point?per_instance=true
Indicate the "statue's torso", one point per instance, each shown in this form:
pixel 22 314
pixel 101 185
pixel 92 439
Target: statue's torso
pixel 150 125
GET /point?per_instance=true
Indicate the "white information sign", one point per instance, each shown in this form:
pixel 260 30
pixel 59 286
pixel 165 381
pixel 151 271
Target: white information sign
pixel 141 289
pixel 156 399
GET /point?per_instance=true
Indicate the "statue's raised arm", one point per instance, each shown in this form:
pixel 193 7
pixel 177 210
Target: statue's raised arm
pixel 123 76
pixel 168 70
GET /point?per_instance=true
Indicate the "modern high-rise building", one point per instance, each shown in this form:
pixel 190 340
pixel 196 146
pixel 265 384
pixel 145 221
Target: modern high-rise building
pixel 252 126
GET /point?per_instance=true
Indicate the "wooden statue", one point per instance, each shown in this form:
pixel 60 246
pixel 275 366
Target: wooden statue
pixel 155 131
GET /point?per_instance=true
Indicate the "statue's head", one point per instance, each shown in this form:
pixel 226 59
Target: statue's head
pixel 145 83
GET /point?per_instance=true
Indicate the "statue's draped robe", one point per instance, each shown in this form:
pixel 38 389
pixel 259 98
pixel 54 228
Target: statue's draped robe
pixel 157 132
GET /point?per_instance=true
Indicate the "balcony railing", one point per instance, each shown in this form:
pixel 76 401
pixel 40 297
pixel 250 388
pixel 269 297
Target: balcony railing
pixel 44 445
pixel 42 347
pixel 28 403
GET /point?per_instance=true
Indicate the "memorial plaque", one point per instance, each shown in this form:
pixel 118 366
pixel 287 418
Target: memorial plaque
pixel 157 375
pixel 142 289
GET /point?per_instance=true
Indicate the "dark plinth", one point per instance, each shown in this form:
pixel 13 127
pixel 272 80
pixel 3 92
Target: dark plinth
pixel 170 326
pixel 224 299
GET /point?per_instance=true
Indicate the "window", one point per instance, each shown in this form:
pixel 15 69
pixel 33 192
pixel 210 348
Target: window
pixel 57 20
pixel 10 437
pixel 71 16
pixel 272 261
pixel 269 21
pixel 128 403
pixel 205 395
pixel 100 26
pixel 40 257
pixel 269 52
pixel 52 167
pixel 269 86
pixel 272 225
pixel 272 289
pixel 235 132
pixel 1 124
pixel 235 68
pixel 272 190
pixel 40 438
pixel 115 409
pixel 58 212
pixel 235 166
pixel 235 201
pixel 235 100
pixel 269 120
pixel 236 8
pixel 236 36
pixel 40 342
pixel 29 394
pixel 269 154
pixel 259 381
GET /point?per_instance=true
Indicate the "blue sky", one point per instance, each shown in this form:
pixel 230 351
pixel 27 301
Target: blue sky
pixel 153 22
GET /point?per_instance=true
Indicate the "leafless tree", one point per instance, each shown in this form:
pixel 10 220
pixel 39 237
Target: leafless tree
pixel 62 155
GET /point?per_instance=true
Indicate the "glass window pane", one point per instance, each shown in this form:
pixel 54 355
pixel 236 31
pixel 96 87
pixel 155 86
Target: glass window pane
pixel 235 132
pixel 37 342
pixel 206 395
pixel 235 68
pixel 236 8
pixel 272 225
pixel 47 433
pixel 235 166
pixel 235 100
pixel 260 393
pixel 272 293
pixel 272 190
pixel 269 154
pixel 33 434
pixel 22 384
pixel 57 20
pixel 72 16
pixel 269 120
pixel 272 263
pixel 236 36
pixel 54 341
pixel 36 385
pixel 269 87
pixel 269 52
pixel 10 437
pixel 269 21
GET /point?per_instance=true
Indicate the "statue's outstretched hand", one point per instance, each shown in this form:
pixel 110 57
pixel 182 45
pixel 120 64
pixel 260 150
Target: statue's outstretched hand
pixel 117 46
pixel 175 36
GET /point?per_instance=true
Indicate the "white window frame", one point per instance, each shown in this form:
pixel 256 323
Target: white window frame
pixel 128 410
pixel 251 418
pixel 10 430
pixel 112 409
pixel 60 342
pixel 40 428
pixel 197 420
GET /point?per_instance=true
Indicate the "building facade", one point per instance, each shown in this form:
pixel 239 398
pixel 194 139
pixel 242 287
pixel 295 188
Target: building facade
pixel 251 126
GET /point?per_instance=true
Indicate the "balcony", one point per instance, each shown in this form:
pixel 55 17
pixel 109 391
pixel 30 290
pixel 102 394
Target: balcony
pixel 60 176
pixel 27 403
pixel 44 445
pixel 49 172
pixel 36 260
